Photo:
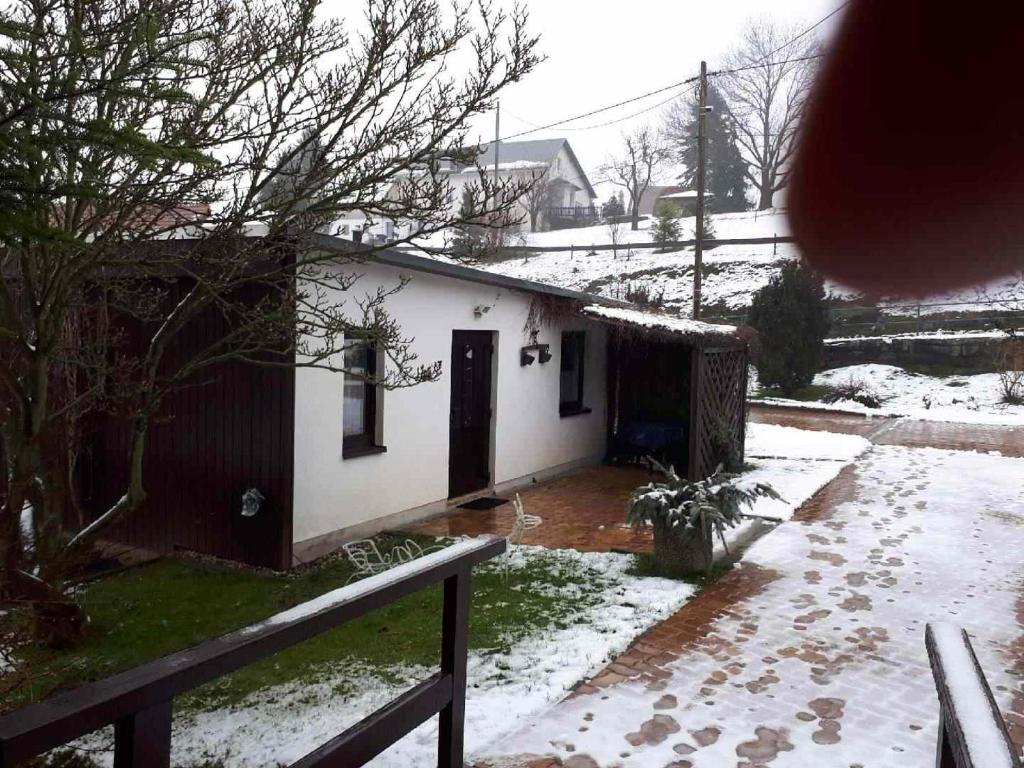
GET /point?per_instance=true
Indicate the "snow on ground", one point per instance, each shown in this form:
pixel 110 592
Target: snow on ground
pixel 797 463
pixel 774 441
pixel 281 724
pixel 889 338
pixel 973 399
pixel 735 272
pixel 826 665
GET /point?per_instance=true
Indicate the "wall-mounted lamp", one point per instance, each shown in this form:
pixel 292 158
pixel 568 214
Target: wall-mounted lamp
pixel 480 310
pixel 542 352
pixel 252 499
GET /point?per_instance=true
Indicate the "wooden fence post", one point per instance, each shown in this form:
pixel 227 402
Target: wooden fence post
pixel 143 739
pixel 944 753
pixel 454 646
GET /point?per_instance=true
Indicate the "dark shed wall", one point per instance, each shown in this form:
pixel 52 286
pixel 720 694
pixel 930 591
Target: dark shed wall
pixel 230 430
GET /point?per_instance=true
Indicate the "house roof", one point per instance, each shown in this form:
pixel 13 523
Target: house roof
pixel 531 151
pixel 416 263
pixel 651 195
pixel 535 151
pixel 600 308
pixel 646 321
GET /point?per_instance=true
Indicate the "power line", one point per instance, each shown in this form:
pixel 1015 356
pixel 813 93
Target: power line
pixel 673 86
pixel 762 64
pixel 765 59
pixel 813 26
pixel 645 110
pixel 598 111
pixel 521 120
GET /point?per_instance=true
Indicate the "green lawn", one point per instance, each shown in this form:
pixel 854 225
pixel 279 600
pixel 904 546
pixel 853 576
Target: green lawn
pixel 153 610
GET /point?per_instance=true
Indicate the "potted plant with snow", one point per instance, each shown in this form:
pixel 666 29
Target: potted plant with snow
pixel 687 516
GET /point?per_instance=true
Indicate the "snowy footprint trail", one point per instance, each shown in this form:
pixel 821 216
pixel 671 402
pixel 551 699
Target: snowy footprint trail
pixel 817 655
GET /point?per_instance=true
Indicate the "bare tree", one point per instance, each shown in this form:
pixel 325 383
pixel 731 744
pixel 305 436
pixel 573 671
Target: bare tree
pixel 765 83
pixel 143 146
pixel 634 169
pixel 538 199
pixel 614 229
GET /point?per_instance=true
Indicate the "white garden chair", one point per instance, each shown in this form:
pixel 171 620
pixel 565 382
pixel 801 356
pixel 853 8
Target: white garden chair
pixel 524 522
pixel 368 560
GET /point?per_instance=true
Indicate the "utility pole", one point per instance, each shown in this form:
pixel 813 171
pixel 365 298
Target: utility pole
pixel 497 141
pixel 698 249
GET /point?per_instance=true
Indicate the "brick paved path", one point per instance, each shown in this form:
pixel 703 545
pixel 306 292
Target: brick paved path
pixel 816 420
pixel 812 652
pixel 585 511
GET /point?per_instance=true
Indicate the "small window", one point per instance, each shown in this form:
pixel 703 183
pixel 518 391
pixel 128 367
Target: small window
pixel 570 400
pixel 359 416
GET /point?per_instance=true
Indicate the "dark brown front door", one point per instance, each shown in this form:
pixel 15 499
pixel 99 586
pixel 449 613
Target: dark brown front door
pixel 469 462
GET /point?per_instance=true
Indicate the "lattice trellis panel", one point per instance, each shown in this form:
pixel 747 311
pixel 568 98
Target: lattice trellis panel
pixel 721 403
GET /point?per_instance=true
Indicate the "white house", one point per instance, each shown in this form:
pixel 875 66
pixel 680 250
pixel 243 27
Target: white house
pixel 535 381
pixel 569 196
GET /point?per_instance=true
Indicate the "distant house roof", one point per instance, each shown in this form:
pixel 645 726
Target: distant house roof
pixel 533 151
pixel 649 199
pixel 651 195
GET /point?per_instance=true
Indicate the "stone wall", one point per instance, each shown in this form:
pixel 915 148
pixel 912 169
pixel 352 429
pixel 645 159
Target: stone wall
pixel 963 354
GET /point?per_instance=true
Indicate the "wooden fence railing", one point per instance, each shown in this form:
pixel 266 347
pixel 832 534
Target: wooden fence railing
pixel 972 733
pixel 139 702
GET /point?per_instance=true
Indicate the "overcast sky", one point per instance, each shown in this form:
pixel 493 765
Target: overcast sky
pixel 602 52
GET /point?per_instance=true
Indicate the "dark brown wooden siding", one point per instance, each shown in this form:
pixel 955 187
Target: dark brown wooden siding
pixel 230 430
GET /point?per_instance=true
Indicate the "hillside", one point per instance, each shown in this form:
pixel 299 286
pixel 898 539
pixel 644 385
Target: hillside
pixel 732 273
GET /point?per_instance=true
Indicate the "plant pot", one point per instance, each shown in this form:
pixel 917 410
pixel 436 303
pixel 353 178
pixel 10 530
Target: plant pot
pixel 681 554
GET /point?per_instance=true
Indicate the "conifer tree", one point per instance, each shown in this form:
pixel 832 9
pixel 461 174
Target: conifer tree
pixel 724 167
pixel 790 315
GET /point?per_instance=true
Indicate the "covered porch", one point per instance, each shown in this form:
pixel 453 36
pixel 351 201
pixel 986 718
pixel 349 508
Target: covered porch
pixel 676 393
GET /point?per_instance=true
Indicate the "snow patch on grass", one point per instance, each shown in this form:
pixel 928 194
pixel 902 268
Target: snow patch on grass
pixel 973 399
pixel 795 462
pixel 506 686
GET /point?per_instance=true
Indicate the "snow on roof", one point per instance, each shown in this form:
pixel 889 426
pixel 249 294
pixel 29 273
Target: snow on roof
pixel 667 323
pixel 535 150
pixel 685 195
pixel 513 165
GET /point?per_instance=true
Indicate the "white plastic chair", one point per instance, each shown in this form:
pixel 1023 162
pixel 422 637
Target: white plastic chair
pixel 524 522
pixel 368 560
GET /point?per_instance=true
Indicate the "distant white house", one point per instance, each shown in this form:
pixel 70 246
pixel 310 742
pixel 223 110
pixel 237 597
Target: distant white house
pixel 684 199
pixel 569 198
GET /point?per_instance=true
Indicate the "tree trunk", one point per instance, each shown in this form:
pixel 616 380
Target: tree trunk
pixel 635 223
pixel 57 619
pixel 764 192
pixel 688 554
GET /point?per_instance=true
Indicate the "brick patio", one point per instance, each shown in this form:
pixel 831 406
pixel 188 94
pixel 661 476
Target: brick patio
pixel 812 651
pixel 585 510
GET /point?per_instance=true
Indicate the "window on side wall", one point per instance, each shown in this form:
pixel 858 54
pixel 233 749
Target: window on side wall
pixel 359 406
pixel 570 399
